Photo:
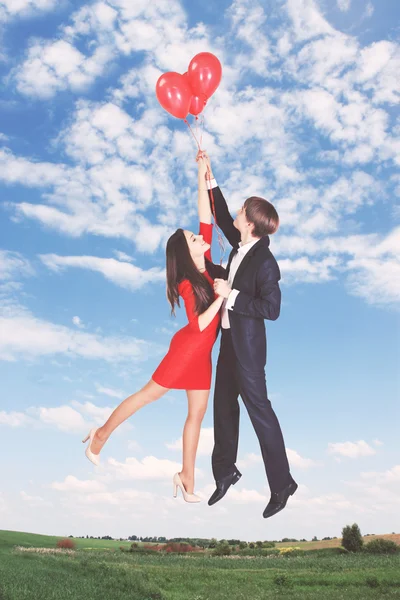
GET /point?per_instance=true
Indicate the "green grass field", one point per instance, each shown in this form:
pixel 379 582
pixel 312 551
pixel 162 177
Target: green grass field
pixel 98 570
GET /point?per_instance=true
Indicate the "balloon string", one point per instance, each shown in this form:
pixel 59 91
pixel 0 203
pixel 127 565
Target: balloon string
pixel 221 241
pixel 191 131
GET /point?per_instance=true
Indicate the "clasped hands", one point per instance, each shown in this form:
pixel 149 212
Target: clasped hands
pixel 204 165
pixel 222 287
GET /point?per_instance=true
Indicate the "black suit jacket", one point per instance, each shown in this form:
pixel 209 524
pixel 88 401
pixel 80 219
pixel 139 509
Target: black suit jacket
pixel 257 280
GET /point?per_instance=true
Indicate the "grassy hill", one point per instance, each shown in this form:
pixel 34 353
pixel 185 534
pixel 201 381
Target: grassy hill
pixel 20 538
pixel 98 569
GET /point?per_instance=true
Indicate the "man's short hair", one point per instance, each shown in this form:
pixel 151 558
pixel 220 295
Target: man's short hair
pixel 262 214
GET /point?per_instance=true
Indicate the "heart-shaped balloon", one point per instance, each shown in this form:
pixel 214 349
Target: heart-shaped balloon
pixel 204 74
pixel 174 93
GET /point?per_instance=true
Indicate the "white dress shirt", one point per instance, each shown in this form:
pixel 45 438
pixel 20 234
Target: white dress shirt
pixel 243 249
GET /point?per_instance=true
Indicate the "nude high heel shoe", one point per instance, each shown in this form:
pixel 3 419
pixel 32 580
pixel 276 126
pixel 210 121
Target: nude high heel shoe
pixel 94 458
pixel 177 481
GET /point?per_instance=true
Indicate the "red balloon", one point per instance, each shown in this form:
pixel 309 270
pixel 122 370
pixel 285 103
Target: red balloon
pixel 204 74
pixel 174 94
pixel 198 102
pixel 197 105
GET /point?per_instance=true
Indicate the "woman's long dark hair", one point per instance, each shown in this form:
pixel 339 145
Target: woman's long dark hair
pixel 180 266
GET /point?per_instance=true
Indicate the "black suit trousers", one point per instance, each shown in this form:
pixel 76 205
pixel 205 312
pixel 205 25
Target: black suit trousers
pixel 231 381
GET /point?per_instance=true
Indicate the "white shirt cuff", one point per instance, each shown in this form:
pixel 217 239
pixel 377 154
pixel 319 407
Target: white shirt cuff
pixel 211 183
pixel 230 301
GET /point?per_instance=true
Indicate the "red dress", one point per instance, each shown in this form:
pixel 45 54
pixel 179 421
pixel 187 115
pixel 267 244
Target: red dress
pixel 187 365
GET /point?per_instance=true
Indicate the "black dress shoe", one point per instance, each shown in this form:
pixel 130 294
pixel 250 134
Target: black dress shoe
pixel 278 500
pixel 223 486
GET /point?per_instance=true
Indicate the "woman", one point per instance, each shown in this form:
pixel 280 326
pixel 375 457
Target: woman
pixel 187 365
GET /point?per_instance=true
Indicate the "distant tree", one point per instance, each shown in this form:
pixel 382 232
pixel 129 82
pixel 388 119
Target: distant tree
pixel 213 543
pixel 315 539
pixel 222 549
pixel 66 544
pixel 252 545
pixel 243 545
pixel 381 546
pixel 259 544
pixel 327 538
pixel 352 538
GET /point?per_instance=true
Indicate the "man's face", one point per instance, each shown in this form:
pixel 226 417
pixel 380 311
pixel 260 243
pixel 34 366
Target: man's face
pixel 241 222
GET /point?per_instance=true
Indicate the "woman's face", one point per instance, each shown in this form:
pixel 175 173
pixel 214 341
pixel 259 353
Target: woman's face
pixel 196 244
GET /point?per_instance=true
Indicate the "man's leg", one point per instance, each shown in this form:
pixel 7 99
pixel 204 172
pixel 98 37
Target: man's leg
pixel 253 390
pixel 226 410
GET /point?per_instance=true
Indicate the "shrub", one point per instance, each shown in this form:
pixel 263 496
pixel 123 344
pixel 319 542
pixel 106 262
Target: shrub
pixel 281 580
pixel 66 543
pixel 252 545
pixel 268 544
pixel 351 538
pixel 372 582
pixel 290 551
pixel 178 547
pixel 381 546
pixel 222 549
pixel 242 545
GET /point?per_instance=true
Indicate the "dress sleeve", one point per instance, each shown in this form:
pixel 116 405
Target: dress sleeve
pixel 186 291
pixel 206 230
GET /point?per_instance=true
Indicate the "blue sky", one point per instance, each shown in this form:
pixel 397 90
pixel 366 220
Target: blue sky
pixel 95 176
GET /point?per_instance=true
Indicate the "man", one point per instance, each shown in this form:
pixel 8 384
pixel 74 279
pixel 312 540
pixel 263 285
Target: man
pixel 251 294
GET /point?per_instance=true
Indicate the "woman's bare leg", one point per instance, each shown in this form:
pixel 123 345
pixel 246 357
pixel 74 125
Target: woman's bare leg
pixel 197 406
pixel 150 392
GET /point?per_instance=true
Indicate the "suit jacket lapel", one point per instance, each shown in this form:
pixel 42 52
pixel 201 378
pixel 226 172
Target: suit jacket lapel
pixel 242 266
pixel 264 241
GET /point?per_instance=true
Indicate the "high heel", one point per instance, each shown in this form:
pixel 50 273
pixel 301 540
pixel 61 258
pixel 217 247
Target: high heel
pixel 177 482
pixel 94 458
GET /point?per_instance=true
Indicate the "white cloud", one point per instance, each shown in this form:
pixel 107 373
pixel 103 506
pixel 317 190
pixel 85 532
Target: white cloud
pixel 73 484
pixel 13 264
pixel 76 418
pixel 391 476
pixel 294 458
pixel 149 468
pixel 122 274
pixel 351 449
pixel 14 419
pixel 244 496
pixel 206 442
pixel 299 462
pixel 35 501
pixel 369 10
pixel 307 19
pixel 64 418
pixel 24 335
pixel 78 322
pixel 51 67
pixel 249 460
pixel 95 414
pixel 110 392
pixel 343 5
pixel 24 8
